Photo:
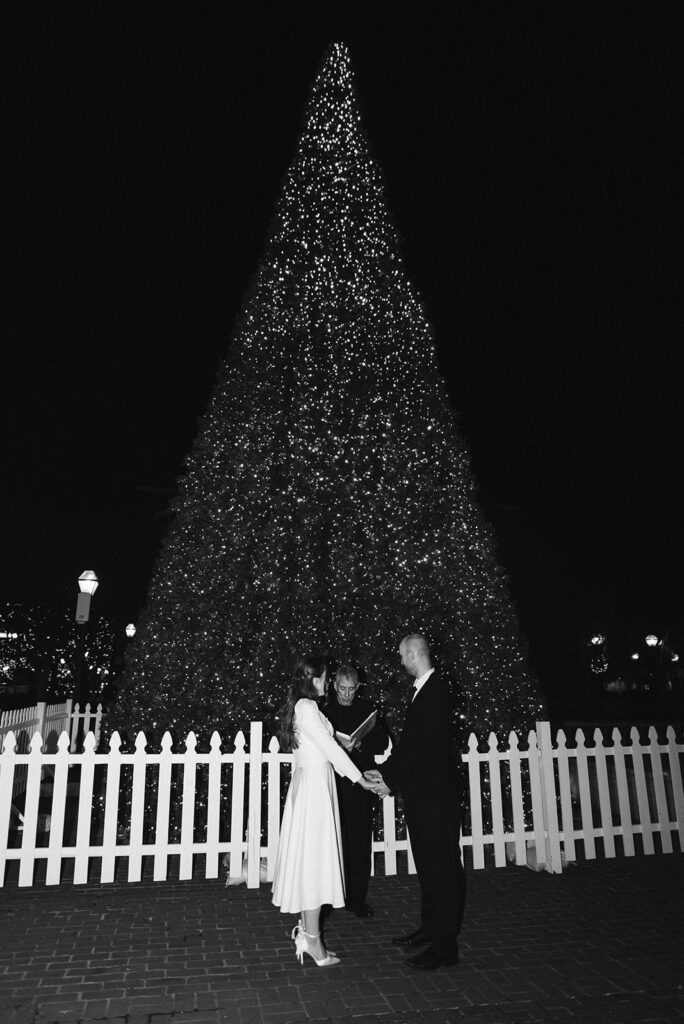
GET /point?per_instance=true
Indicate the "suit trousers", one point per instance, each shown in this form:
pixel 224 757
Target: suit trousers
pixel 356 816
pixel 434 828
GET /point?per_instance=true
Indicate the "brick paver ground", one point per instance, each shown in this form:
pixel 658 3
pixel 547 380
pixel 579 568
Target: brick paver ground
pixel 603 943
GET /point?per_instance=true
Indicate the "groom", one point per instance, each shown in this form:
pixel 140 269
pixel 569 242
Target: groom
pixel 423 768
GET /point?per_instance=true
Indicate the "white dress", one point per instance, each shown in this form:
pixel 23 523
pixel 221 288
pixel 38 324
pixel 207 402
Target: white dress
pixel 309 869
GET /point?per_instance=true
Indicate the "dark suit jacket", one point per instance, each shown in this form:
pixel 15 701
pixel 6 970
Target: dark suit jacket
pixel 422 765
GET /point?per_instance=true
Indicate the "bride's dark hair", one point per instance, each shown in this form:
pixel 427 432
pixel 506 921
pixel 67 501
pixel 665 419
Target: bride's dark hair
pixel 302 685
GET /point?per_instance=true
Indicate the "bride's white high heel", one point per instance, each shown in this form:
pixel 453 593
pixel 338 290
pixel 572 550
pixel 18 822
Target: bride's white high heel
pixel 302 946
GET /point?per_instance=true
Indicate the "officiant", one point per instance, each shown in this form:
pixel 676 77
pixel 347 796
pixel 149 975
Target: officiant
pixel 347 712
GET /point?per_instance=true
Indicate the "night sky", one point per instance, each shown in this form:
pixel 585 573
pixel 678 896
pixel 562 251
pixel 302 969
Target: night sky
pixel 529 155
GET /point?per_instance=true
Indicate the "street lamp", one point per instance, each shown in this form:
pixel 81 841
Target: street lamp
pixel 651 640
pixel 87 585
pixel 130 630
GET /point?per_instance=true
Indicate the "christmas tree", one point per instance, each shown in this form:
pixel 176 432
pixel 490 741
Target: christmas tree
pixel 327 503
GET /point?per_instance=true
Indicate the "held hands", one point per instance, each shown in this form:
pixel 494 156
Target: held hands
pixel 377 783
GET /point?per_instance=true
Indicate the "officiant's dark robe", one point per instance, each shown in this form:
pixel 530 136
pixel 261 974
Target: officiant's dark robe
pixel 356 804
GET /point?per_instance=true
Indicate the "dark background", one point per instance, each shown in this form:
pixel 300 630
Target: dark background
pixel 529 153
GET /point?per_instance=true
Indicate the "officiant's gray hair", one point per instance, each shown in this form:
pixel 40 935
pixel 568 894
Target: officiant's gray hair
pixel 349 673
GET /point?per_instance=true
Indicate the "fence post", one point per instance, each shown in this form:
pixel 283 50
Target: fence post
pixel 549 797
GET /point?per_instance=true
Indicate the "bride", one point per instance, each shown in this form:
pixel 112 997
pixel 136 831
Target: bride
pixel 309 869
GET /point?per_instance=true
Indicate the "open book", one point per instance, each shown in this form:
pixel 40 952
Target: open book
pixel 361 730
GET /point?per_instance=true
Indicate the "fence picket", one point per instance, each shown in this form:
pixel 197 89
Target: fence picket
pixel 537 800
pixel 273 824
pixel 28 839
pixel 604 794
pixel 188 811
pixel 237 807
pixel 565 796
pixel 677 787
pixel 211 861
pixel 111 821
pixel 74 726
pixel 58 811
pixel 662 816
pixel 389 833
pixel 8 760
pixel 137 809
pixel 496 802
pixel 409 853
pixel 85 808
pixel 622 784
pixel 476 831
pixel 645 826
pixel 586 814
pixel 254 811
pixel 518 809
pixel 161 832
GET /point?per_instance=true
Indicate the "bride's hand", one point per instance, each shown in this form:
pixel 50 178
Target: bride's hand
pixel 374 786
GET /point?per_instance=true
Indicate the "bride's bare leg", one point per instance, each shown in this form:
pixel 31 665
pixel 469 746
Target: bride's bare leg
pixel 311 922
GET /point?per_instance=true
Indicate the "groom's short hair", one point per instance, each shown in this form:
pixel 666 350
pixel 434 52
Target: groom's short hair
pixel 417 643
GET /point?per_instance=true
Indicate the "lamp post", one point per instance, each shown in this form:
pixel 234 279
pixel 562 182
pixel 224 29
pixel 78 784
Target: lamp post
pixel 87 585
pixel 130 630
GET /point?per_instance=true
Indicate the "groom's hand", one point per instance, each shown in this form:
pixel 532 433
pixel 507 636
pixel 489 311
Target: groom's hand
pixel 379 787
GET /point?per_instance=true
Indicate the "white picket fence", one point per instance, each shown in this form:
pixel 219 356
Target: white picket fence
pixel 51 720
pixel 542 801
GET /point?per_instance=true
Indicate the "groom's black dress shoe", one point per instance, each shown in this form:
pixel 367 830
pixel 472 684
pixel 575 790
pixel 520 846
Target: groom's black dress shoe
pixel 412 941
pixel 360 909
pixel 430 959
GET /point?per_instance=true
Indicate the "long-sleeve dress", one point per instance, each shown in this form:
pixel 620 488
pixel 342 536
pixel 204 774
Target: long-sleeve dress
pixel 309 868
